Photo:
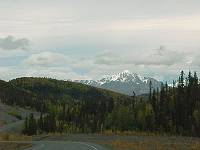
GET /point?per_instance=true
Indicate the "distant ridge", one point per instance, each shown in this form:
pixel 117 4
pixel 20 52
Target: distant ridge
pixel 125 83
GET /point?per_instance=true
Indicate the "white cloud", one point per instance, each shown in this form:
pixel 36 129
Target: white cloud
pixel 155 57
pixel 61 73
pixel 80 29
pixel 56 65
pixel 46 59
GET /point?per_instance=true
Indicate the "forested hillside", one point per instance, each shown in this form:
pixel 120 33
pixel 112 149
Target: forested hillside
pixel 177 109
pixel 12 95
pixel 74 107
pixel 58 90
pixel 68 106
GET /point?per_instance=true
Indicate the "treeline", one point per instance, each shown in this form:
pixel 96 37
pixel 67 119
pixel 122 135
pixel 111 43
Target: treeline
pixel 177 108
pixel 75 117
pixel 72 116
pixel 13 95
pixel 64 106
pixel 69 107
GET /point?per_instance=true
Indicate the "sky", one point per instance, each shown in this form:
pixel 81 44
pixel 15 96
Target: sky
pixel 88 39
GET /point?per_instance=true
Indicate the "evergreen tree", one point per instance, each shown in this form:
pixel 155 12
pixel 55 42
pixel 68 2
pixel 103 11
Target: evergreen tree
pixel 150 90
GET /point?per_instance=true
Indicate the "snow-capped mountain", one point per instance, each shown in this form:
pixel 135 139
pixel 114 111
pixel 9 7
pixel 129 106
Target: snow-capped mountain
pixel 124 82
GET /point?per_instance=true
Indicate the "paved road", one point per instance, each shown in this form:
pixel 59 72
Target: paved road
pixel 14 127
pixel 62 145
pixel 59 145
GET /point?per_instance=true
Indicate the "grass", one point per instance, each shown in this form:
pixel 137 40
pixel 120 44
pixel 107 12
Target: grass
pixel 15 114
pixel 139 145
pixel 151 144
pixel 137 140
pixel 130 133
pixel 8 141
pixel 14 137
pixel 13 146
pixel 2 123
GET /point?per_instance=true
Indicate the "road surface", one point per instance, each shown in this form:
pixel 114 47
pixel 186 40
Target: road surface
pixel 59 145
pixel 62 145
pixel 15 127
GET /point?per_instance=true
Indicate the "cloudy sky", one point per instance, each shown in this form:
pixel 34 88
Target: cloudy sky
pixel 87 39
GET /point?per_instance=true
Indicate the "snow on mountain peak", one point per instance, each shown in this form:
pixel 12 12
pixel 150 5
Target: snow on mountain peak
pixel 125 76
pixel 126 72
pixel 124 82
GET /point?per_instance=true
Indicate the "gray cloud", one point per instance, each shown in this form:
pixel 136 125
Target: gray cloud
pixel 195 61
pixel 10 43
pixel 107 58
pixel 160 51
pixel 46 59
pixel 157 57
pixel 130 29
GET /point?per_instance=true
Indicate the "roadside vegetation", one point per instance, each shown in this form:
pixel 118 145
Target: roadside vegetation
pixel 8 141
pixel 15 114
pixel 14 137
pixel 14 146
pixel 133 141
pixel 151 144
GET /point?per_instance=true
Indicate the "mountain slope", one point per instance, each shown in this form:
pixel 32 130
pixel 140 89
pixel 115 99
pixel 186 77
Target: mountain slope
pixel 57 90
pixel 67 106
pixel 125 83
pixel 11 94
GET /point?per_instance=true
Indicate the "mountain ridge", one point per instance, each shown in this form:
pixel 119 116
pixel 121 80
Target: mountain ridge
pixel 125 83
